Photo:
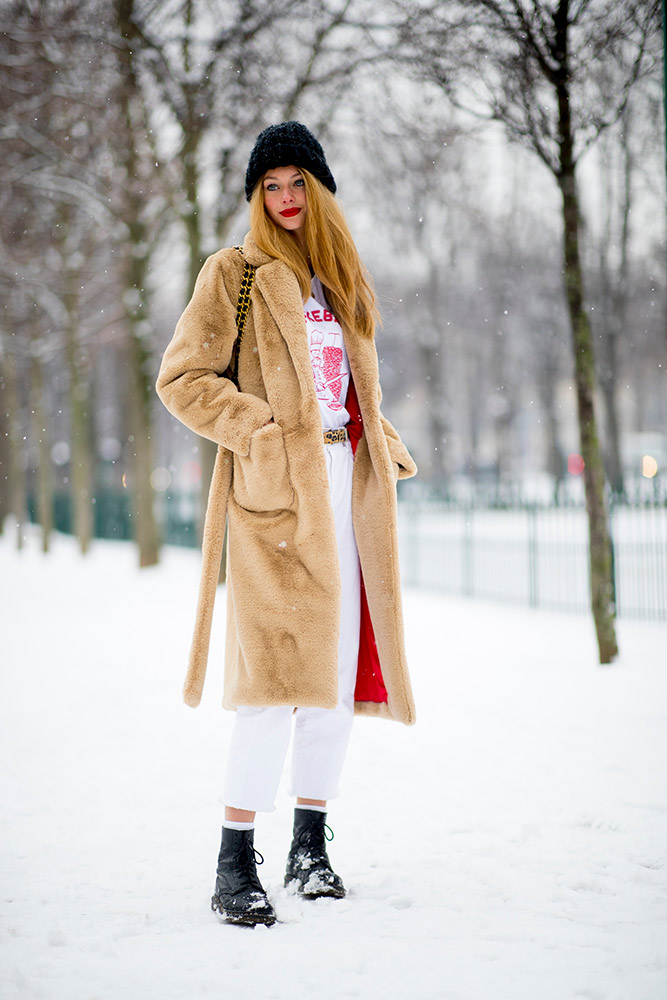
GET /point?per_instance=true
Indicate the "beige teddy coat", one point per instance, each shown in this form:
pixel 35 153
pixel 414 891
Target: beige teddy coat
pixel 270 483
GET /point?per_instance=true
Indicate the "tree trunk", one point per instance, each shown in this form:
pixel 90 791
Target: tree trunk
pixel 79 409
pixel 503 409
pixel 431 349
pixel 608 382
pixel 600 553
pixel 18 491
pixel 190 214
pixel 135 268
pixel 431 366
pixel 555 460
pixel 5 499
pixel 189 153
pixel 474 415
pixel 43 439
pixel 145 529
pixel 614 294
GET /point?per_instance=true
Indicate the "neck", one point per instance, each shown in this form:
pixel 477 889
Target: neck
pixel 300 237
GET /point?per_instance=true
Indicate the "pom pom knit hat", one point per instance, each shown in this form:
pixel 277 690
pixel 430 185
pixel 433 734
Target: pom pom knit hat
pixel 283 145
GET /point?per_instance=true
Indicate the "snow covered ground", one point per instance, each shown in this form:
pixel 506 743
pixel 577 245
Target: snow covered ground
pixel 511 846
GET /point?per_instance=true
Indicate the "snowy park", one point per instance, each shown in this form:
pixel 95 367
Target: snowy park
pixel 510 846
pixel 499 287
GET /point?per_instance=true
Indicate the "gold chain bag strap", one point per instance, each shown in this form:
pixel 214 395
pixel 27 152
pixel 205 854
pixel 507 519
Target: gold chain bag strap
pixel 242 309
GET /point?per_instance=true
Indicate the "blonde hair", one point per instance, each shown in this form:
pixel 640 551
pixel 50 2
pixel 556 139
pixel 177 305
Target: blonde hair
pixel 333 255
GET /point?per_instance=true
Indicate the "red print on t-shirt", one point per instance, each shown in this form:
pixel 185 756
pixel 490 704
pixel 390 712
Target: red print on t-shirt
pixel 332 358
pixel 326 355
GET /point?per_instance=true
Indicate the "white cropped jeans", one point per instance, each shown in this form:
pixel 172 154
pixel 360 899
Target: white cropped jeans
pixel 261 736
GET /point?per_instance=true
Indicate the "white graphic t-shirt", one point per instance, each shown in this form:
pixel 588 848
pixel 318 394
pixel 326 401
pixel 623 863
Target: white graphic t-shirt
pixel 328 357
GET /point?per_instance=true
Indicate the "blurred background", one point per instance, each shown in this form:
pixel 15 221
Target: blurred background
pixel 502 167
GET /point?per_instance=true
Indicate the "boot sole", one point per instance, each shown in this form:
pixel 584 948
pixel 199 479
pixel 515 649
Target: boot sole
pixel 323 893
pixel 241 919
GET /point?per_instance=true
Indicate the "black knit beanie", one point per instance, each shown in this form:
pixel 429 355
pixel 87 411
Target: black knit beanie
pixel 283 145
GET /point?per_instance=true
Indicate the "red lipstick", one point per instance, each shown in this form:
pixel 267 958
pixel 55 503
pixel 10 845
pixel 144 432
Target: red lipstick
pixel 289 212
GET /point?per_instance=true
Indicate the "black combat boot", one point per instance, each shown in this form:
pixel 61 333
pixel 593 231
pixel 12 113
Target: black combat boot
pixel 308 862
pixel 239 897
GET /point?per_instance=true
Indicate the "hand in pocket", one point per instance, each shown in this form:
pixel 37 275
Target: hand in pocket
pixel 261 479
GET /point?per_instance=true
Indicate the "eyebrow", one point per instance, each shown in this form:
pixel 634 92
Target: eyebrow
pixel 297 173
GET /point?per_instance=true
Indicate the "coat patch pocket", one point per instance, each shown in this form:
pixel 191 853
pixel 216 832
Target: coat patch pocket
pixel 261 478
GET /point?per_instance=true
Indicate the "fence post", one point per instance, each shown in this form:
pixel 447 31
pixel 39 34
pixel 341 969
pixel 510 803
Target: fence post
pixel 468 565
pixel 533 584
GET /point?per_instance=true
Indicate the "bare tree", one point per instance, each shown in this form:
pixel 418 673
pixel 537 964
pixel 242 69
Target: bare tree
pixel 123 161
pixel 224 80
pixel 52 205
pixel 5 503
pixel 613 277
pixel 42 437
pixel 14 468
pixel 136 159
pixel 555 76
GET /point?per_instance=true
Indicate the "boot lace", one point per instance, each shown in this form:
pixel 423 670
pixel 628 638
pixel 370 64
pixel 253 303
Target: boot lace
pixel 245 871
pixel 309 837
pixel 248 854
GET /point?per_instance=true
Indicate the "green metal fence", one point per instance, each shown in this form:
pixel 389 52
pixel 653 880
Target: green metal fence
pixel 111 514
pixel 533 554
pixel 492 546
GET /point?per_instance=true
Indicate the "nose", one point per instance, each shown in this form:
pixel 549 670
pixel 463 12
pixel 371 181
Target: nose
pixel 288 195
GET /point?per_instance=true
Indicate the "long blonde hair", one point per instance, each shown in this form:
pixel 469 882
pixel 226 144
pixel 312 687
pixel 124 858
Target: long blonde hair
pixel 332 253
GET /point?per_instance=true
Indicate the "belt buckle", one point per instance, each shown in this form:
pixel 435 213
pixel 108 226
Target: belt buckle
pixel 334 435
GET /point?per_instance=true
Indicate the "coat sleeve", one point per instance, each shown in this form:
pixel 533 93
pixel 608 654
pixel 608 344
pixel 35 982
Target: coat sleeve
pixel 398 453
pixel 191 382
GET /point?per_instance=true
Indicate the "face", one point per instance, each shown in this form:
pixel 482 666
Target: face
pixel 285 198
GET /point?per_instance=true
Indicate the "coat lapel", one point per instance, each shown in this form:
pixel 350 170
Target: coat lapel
pixel 281 292
pixel 363 366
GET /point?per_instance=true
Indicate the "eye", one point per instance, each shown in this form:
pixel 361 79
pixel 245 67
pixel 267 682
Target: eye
pixel 299 182
pixel 271 186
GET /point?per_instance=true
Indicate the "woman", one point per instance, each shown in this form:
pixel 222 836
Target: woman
pixel 305 476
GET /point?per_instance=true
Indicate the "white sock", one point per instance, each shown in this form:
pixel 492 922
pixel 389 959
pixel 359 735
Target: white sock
pixel 231 824
pixel 316 809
